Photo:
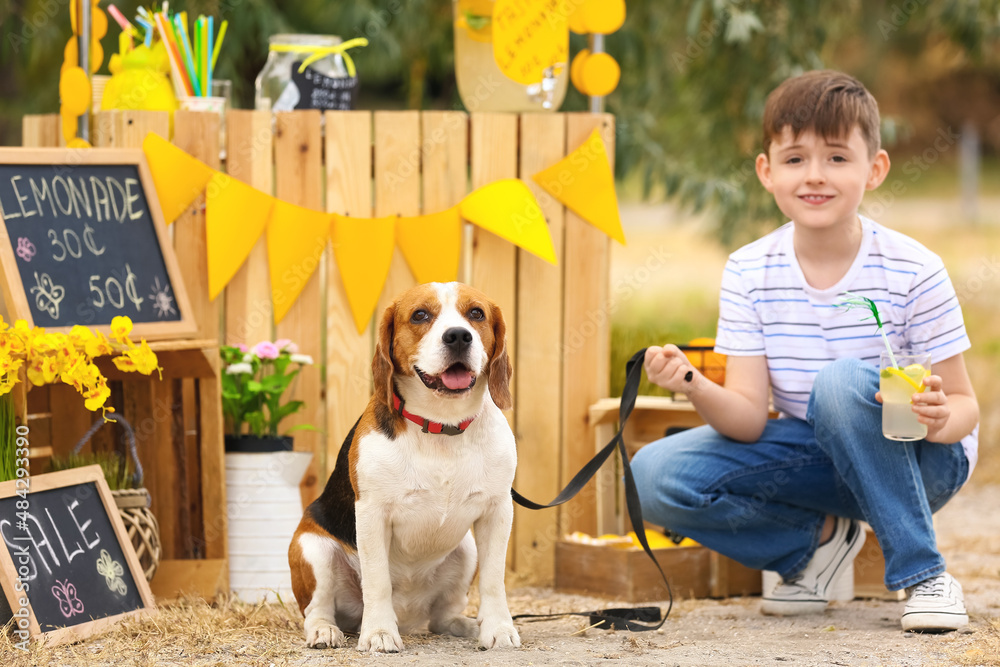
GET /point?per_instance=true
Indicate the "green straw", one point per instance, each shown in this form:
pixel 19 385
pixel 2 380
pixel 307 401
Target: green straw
pixel 858 301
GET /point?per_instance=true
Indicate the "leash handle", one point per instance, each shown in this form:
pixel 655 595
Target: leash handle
pixel 619 619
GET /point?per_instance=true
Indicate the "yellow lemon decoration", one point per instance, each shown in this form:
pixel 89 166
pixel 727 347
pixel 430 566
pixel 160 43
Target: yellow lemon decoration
pixel 602 17
pixel 77 142
pixel 599 74
pixel 98 23
pixel 74 91
pixel 144 70
pixel 68 124
pixel 576 69
pixel 913 374
pixel 577 22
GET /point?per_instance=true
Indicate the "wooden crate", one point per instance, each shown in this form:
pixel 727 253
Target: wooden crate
pixel 628 574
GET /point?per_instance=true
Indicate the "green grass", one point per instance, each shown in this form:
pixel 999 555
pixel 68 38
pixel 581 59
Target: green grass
pixel 116 470
pixel 8 438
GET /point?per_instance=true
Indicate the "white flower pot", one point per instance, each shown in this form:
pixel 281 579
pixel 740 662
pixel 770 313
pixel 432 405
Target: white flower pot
pixel 264 508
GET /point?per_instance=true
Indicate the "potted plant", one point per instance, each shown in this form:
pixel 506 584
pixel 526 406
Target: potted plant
pixel 262 473
pixel 253 385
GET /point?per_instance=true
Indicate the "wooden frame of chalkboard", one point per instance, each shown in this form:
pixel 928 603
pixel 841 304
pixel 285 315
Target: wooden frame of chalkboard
pixel 47 544
pixel 140 281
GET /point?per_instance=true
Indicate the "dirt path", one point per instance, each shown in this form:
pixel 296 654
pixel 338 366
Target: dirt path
pixel 699 632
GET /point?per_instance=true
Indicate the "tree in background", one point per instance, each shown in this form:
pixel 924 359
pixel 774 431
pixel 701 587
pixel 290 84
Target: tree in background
pixel 695 73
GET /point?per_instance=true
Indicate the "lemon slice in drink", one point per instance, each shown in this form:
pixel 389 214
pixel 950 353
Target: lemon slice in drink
pixel 912 374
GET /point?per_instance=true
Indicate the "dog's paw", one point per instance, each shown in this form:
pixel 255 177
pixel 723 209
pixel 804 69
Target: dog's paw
pixel 325 636
pixel 380 641
pixel 459 626
pixel 498 635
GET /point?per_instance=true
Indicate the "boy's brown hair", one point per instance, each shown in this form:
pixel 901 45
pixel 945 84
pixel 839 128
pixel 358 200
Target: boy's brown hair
pixel 828 102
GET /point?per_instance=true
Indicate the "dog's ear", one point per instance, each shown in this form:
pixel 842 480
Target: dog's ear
pixel 382 363
pixel 500 368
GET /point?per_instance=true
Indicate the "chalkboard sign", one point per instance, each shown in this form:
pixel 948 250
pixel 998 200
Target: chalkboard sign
pixel 319 91
pixel 82 240
pixel 67 565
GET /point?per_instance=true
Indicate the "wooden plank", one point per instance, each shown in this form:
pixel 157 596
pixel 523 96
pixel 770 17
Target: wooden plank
pixel 177 579
pixel 397 186
pixel 445 153
pixel 40 131
pixel 348 353
pixel 197 133
pixel 494 260
pixel 539 336
pixel 299 180
pixel 249 316
pixel 586 332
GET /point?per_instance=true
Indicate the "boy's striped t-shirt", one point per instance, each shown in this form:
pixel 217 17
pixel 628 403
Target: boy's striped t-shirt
pixel 767 308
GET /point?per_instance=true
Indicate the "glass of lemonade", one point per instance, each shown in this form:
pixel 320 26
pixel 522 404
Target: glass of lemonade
pixel 897 385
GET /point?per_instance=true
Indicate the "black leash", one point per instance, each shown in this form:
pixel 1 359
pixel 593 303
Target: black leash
pixel 631 618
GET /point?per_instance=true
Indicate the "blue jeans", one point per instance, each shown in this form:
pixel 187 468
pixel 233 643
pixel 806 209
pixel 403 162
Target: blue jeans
pixel 763 504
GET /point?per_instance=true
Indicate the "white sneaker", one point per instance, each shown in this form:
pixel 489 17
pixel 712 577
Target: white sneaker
pixel 936 604
pixel 808 592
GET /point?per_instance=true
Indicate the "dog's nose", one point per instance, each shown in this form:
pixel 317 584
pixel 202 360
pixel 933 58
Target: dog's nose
pixel 457 338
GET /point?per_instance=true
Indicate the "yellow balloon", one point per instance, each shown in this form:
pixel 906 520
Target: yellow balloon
pixel 96 56
pixel 576 19
pixel 576 69
pixel 69 125
pixel 74 10
pixel 600 74
pixel 603 17
pixel 98 23
pixel 71 55
pixel 74 90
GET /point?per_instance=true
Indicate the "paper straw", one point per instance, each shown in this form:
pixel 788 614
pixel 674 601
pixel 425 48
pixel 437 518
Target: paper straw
pixel 208 54
pixel 218 42
pixel 120 19
pixel 176 65
pixel 192 72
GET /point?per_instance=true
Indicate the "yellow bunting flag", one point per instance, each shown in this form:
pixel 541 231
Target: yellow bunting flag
pixel 178 177
pixel 296 240
pixel 583 182
pixel 509 209
pixel 363 250
pixel 236 216
pixel 431 245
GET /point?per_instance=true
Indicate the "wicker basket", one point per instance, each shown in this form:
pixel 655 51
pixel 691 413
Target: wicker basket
pixel 133 506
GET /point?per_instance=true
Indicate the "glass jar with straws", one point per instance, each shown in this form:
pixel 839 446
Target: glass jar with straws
pixel 308 72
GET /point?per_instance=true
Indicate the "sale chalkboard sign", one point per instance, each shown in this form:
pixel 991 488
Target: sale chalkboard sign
pixel 82 240
pixel 67 565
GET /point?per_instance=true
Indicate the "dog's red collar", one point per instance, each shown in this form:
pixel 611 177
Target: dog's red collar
pixel 427 425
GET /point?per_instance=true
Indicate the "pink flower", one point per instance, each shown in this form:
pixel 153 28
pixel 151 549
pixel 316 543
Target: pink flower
pixel 242 347
pixel 286 345
pixel 266 350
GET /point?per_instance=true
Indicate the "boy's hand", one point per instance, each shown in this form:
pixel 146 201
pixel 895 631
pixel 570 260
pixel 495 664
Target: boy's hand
pixel 931 406
pixel 667 367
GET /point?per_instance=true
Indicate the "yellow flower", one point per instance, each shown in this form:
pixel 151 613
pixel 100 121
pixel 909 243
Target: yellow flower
pixel 42 370
pixel 95 398
pixel 98 346
pixel 121 327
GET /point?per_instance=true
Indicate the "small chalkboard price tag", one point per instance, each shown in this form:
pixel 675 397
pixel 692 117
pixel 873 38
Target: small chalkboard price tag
pixel 319 91
pixel 67 566
pixel 82 240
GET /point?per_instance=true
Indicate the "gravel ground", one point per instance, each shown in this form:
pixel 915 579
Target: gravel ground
pixel 698 632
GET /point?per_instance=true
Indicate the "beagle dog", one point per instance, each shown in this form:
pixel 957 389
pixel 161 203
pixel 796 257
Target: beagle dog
pixel 387 547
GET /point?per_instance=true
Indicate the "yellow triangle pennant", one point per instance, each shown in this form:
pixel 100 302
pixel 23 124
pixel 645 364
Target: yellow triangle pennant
pixel 363 250
pixel 582 182
pixel 179 178
pixel 296 240
pixel 509 209
pixel 431 245
pixel 236 216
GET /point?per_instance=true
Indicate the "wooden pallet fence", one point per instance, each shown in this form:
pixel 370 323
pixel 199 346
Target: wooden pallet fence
pixel 372 164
